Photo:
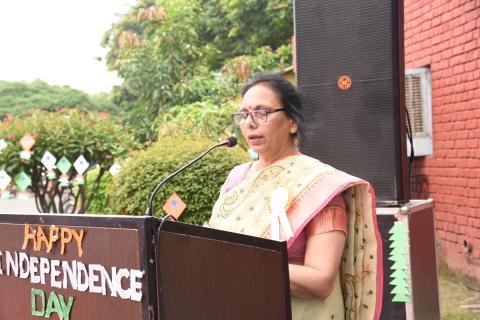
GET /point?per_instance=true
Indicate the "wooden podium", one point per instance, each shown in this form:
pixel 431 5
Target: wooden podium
pixel 209 274
pixel 127 267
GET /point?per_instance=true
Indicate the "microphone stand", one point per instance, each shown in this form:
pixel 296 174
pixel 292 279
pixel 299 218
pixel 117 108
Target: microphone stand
pixel 149 211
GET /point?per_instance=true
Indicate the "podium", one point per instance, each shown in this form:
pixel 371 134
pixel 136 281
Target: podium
pixel 210 274
pixel 136 267
pixel 419 219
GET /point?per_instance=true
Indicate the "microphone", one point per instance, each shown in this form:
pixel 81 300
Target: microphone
pixel 229 142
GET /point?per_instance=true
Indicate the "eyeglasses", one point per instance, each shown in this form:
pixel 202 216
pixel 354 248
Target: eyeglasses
pixel 258 116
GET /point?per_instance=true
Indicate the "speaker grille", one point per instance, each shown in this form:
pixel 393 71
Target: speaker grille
pixel 356 130
pixel 343 37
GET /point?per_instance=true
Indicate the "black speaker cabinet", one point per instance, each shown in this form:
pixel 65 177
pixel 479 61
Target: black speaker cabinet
pixel 349 57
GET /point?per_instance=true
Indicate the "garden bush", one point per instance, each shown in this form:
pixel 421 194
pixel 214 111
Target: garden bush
pixel 100 199
pixel 69 133
pixel 198 186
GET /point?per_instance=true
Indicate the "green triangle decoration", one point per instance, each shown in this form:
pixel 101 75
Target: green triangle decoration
pixel 398 257
pixel 399 282
pixel 403 265
pixel 401 249
pixel 399 236
pixel 400 269
pixel 400 273
pixel 397 227
pixel 401 289
pixel 401 298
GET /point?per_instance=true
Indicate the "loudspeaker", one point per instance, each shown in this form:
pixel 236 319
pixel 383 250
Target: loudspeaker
pixel 349 60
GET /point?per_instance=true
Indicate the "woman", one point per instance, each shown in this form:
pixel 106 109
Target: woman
pixel 333 242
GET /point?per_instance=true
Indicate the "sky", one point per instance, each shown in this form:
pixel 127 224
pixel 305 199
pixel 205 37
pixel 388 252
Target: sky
pixel 58 41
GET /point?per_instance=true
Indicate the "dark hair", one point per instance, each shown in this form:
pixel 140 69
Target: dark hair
pixel 287 93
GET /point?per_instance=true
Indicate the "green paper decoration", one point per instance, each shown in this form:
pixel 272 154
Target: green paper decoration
pixel 398 282
pixel 22 181
pixel 399 250
pixel 64 165
pixel 401 288
pixel 399 263
pixel 401 298
pixel 400 273
pixel 400 237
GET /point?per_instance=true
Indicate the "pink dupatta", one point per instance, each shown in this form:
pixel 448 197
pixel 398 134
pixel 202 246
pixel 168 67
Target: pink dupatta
pixel 304 208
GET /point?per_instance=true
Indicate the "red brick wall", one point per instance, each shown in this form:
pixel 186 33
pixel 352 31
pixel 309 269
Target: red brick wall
pixel 445 34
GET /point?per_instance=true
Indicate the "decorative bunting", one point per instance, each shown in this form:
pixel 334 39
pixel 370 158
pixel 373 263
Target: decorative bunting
pixel 48 160
pixel 6 195
pixel 25 154
pixel 22 181
pixel 3 144
pixel 114 169
pixel 400 268
pixel 64 181
pixel 64 165
pixel 51 174
pixel 79 179
pixel 81 164
pixel 174 206
pixel 27 143
pixel 5 180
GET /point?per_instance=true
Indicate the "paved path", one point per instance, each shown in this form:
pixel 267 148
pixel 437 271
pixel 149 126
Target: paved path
pixel 18 205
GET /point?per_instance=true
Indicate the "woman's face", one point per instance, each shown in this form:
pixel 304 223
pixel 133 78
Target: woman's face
pixel 270 139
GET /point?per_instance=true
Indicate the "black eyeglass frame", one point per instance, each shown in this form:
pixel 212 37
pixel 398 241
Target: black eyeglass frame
pixel 250 114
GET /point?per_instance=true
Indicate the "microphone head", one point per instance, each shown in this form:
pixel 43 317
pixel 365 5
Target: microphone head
pixel 231 142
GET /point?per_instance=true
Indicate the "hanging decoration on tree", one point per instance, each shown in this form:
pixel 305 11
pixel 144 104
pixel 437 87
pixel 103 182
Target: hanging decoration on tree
pixel 27 143
pixel 399 252
pixel 3 144
pixel 114 169
pixel 174 206
pixel 80 165
pixel 5 180
pixel 63 166
pixel 22 181
pixel 48 161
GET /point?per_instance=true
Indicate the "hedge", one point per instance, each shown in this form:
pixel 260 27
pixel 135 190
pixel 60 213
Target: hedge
pixel 198 186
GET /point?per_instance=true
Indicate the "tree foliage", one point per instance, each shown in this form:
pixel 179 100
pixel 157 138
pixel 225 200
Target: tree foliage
pixel 18 97
pixel 66 134
pixel 174 53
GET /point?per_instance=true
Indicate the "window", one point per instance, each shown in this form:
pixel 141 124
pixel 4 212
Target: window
pixel 418 100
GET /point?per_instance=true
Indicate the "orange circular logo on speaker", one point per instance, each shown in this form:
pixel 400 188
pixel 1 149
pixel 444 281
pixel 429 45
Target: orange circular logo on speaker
pixel 344 82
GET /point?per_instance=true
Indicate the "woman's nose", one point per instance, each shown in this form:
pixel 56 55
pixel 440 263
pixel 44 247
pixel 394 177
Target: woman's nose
pixel 250 122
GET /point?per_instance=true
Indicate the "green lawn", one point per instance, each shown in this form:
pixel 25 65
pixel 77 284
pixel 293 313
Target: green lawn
pixel 457 300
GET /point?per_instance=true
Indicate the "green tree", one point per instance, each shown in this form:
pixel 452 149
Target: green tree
pixel 66 134
pixel 18 97
pixel 174 53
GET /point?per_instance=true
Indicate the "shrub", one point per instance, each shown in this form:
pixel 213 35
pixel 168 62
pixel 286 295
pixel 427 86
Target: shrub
pixel 67 134
pixel 100 198
pixel 198 186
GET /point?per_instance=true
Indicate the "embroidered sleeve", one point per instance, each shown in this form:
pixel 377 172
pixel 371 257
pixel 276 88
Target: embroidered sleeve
pixel 332 217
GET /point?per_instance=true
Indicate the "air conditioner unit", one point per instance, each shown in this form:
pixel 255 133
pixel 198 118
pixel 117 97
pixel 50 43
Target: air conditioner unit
pixel 418 100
